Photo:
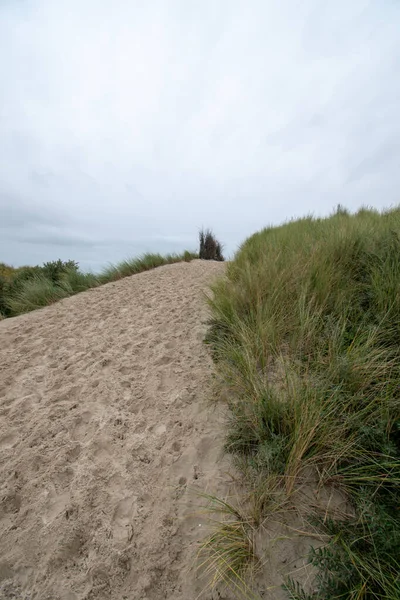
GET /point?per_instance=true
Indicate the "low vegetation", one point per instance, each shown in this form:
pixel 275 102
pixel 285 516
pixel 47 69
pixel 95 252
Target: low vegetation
pixel 305 334
pixel 28 288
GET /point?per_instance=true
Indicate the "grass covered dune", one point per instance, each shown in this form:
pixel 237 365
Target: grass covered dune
pixel 305 334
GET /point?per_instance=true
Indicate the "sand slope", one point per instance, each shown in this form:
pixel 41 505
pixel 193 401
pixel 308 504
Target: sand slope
pixel 104 429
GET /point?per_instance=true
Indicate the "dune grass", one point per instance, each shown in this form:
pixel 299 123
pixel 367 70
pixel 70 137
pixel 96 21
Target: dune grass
pixel 35 293
pixel 29 288
pixel 142 263
pixel 227 555
pixel 305 334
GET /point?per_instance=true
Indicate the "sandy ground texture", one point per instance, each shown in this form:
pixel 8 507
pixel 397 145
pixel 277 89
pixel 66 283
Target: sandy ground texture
pixel 104 431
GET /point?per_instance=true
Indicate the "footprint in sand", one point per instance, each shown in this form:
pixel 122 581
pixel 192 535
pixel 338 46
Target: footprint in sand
pixel 122 520
pixel 176 446
pixel 140 426
pixel 55 505
pixel 125 370
pixel 102 450
pixel 144 332
pixel 170 345
pixel 8 440
pixel 164 360
pixel 73 453
pixel 10 503
pixel 83 426
pixel 165 382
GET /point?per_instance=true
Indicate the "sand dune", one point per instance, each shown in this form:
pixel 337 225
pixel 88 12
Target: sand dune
pixel 104 428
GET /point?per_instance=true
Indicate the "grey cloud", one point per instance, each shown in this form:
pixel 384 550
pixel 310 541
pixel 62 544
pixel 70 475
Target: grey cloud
pixel 16 213
pixel 125 128
pixel 385 155
pixel 43 178
pixel 56 239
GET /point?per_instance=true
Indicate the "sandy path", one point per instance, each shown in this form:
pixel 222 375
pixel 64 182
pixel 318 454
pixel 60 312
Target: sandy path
pixel 103 431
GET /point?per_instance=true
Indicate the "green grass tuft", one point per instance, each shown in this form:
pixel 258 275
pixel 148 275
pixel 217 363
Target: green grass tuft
pixel 227 556
pixel 34 293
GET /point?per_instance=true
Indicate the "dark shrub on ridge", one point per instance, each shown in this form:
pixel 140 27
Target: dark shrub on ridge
pixel 210 248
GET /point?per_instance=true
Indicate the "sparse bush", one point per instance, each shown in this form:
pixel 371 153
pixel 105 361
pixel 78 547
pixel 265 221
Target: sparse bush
pixel 210 248
pixel 6 270
pixel 55 269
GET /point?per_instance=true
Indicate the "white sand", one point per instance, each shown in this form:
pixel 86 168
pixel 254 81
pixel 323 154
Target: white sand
pixel 104 428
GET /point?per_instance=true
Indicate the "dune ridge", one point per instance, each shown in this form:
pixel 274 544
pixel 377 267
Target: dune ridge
pixel 104 430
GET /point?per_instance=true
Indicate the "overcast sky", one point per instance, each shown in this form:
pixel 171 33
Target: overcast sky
pixel 127 125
